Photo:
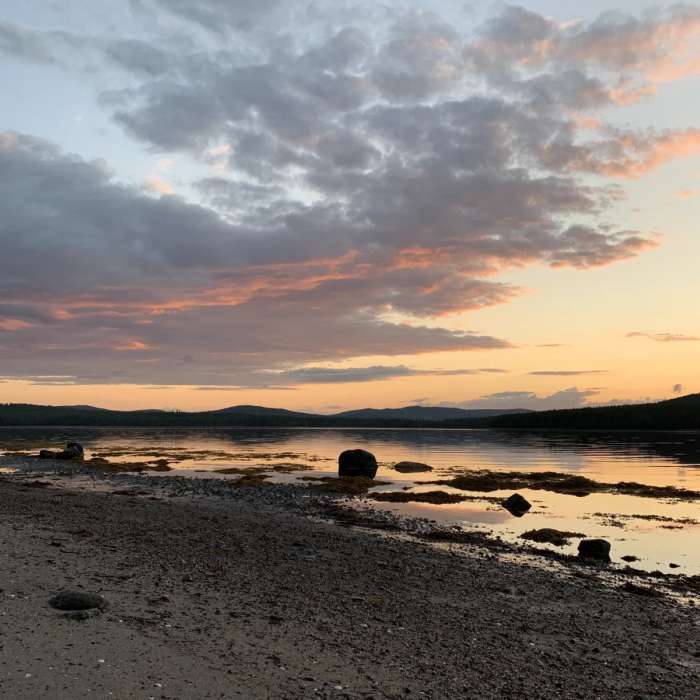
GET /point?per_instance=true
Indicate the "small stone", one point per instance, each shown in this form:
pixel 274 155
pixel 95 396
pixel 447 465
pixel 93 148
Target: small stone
pixel 77 600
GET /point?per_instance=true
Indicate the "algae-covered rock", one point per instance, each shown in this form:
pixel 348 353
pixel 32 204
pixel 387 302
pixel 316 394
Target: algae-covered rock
pixel 594 549
pixel 558 538
pixel 412 467
pixel 73 452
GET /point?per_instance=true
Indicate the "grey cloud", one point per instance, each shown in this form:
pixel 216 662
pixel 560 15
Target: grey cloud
pixel 567 373
pixel 616 41
pixel 266 387
pixel 25 44
pixel 216 16
pixel 39 46
pixel 621 41
pixel 566 398
pixel 68 49
pixel 326 375
pixel 664 337
pixel 421 58
pixel 138 57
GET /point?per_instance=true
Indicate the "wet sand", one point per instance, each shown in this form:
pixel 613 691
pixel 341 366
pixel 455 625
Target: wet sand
pixel 223 592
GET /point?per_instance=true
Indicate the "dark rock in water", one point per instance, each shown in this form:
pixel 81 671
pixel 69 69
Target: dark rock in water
pixel 517 505
pixel 74 452
pixel 77 600
pixel 594 549
pixel 357 463
pixel 412 467
pixel 629 557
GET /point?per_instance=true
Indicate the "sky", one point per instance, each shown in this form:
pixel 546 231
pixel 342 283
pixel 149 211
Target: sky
pixel 325 205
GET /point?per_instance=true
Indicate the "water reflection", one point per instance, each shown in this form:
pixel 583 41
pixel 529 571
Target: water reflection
pixel 568 451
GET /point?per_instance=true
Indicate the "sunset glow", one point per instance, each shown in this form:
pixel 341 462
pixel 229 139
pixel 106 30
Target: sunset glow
pixel 342 205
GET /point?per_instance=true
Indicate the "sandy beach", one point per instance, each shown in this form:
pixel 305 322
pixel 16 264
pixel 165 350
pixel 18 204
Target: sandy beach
pixel 218 592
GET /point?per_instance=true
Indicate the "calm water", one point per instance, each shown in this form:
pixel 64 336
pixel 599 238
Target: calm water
pixel 649 458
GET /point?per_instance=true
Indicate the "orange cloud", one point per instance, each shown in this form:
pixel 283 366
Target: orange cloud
pixel 651 153
pixel 132 346
pixel 12 324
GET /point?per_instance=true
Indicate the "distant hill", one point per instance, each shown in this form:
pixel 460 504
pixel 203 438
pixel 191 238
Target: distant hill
pixel 682 413
pixel 676 414
pixel 260 411
pixel 426 413
pixel 233 416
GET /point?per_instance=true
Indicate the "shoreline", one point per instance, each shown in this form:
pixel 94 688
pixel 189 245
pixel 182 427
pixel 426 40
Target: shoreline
pixel 408 428
pixel 261 592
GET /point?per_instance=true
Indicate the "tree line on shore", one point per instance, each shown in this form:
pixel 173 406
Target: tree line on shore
pixel 682 413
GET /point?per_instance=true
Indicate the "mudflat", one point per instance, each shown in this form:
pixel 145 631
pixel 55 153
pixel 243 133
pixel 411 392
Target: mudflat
pixel 250 592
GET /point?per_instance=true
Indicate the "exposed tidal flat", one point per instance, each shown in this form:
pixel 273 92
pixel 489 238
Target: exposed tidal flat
pixel 248 569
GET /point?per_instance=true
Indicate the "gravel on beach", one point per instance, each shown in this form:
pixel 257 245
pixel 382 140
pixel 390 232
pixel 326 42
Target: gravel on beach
pixel 222 592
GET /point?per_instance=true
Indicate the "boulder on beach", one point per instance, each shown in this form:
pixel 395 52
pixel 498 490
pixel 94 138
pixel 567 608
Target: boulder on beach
pixel 517 505
pixel 77 600
pixel 357 463
pixel 74 452
pixel 594 549
pixel 412 467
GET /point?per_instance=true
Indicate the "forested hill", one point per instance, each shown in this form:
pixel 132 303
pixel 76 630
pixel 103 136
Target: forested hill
pixel 682 413
pixel 235 416
pixel 676 414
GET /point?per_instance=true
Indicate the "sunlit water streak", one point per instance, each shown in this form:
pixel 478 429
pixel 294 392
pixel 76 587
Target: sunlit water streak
pixel 649 458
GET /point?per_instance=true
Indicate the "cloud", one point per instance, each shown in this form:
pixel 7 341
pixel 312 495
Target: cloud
pixel 113 265
pixel 368 173
pixel 326 375
pixel 217 16
pixel 658 47
pixel 138 57
pixel 567 373
pixel 664 337
pixel 566 398
pixel 25 44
